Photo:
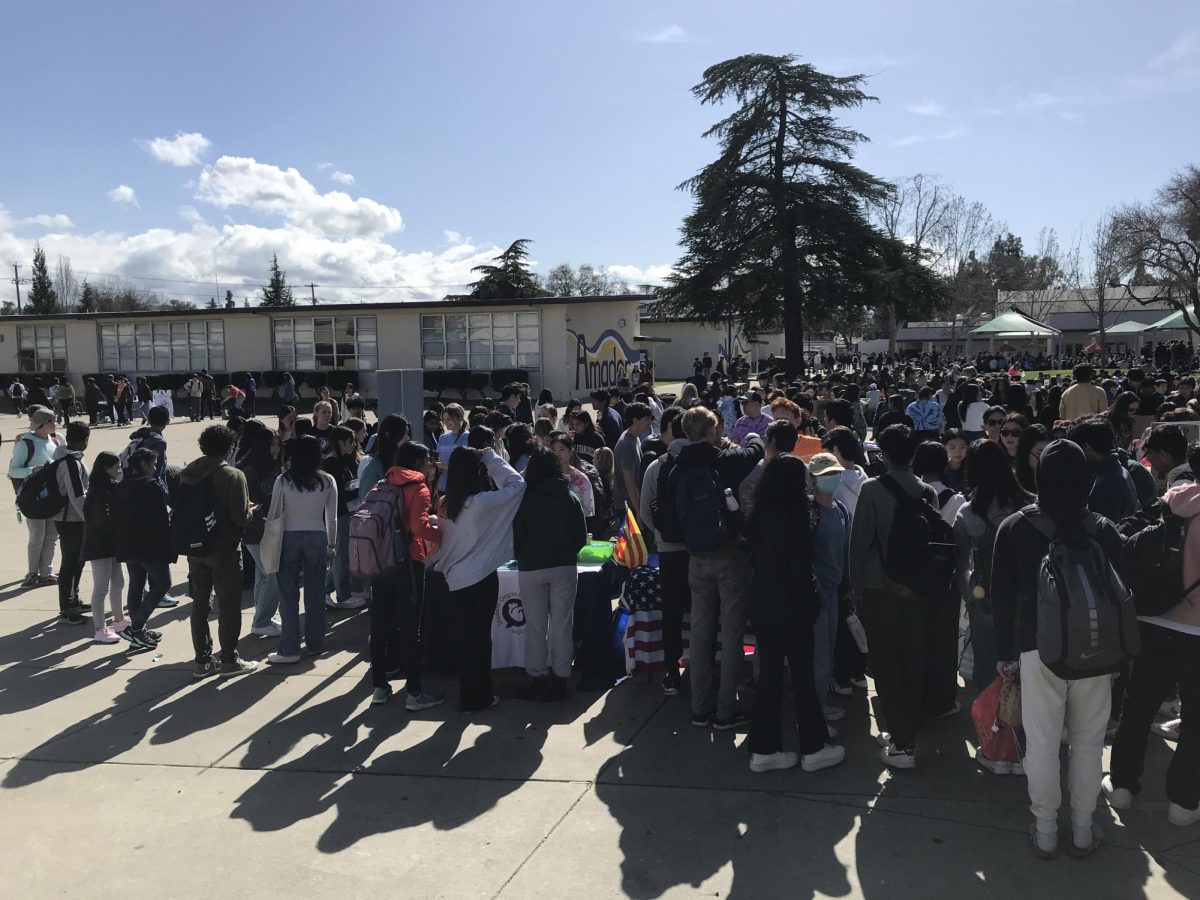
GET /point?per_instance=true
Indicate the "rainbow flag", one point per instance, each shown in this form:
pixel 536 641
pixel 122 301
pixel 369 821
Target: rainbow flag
pixel 630 550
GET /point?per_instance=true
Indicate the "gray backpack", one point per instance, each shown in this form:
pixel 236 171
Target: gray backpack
pixel 1086 621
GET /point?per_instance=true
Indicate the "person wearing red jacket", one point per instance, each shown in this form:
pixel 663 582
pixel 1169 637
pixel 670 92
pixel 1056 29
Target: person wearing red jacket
pixel 397 600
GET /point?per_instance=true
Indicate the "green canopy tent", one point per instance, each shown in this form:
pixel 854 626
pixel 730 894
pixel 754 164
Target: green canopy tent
pixel 1124 330
pixel 1012 324
pixel 1176 321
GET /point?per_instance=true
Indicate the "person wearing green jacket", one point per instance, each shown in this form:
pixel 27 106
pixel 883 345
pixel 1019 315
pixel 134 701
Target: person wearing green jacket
pixel 548 532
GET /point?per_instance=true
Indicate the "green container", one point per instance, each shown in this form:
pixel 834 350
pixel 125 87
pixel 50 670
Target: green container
pixel 596 552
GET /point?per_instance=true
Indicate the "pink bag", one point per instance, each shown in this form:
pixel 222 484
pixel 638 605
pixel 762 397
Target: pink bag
pixel 997 742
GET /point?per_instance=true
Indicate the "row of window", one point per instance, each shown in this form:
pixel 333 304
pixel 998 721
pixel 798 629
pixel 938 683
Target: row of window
pixel 477 341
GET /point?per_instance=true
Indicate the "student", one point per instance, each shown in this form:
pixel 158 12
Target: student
pixel 780 438
pixel 927 415
pixel 1034 440
pixel 343 466
pixel 1083 398
pixel 219 570
pixel 398 599
pixel 99 547
pixel 548 532
pixel 930 462
pixel 894 415
pixel 195 390
pixel 151 438
pixel 783 603
pixel 1113 494
pixel 587 439
pixel 323 423
pixel 971 412
pixel 518 441
pixel 306 498
pixel 143 532
pixel 627 458
pixel 260 466
pixel 455 435
pixel 895 617
pixel 476 529
pixel 32 450
pixel 1010 436
pixel 208 391
pixel 563 447
pixel 608 418
pixel 1050 703
pixel 753 420
pixel 72 479
pixel 830 543
pixel 287 390
pixel 846 448
pixel 1167 451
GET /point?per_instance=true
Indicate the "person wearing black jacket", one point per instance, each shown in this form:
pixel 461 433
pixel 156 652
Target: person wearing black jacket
pixel 343 466
pixel 783 608
pixel 587 439
pixel 143 532
pixel 1049 703
pixel 99 546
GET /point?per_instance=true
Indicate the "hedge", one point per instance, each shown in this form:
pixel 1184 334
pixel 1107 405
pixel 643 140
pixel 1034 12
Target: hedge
pixel 501 377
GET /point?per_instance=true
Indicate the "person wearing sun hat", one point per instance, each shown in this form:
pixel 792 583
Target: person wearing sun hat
pixel 831 541
pixel 32 450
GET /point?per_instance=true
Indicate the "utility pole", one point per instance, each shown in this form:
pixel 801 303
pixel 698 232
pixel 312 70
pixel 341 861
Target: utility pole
pixel 312 288
pixel 17 283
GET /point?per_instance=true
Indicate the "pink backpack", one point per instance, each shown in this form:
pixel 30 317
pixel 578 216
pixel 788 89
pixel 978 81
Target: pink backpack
pixel 378 544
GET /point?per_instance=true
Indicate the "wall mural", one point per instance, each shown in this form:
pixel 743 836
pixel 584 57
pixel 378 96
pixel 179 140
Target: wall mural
pixel 603 363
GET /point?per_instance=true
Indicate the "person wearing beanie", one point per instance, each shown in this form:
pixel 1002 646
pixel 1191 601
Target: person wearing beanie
pixel 32 450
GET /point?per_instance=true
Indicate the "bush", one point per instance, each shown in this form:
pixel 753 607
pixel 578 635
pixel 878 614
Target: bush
pixel 172 381
pixel 314 380
pixel 434 381
pixel 339 378
pixel 272 379
pixel 501 377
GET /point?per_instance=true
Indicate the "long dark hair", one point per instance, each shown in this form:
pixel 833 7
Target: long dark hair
pixel 1119 414
pixel 781 502
pixel 465 477
pixel 1032 435
pixel 518 440
pixel 258 456
pixel 305 464
pixel 250 430
pixel 970 395
pixel 543 466
pixel 340 434
pixel 392 430
pixel 993 481
pixel 100 466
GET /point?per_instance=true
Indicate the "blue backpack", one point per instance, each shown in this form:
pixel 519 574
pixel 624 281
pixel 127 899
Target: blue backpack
pixel 700 504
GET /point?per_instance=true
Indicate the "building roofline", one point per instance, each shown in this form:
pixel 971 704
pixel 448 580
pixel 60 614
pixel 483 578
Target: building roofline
pixel 319 309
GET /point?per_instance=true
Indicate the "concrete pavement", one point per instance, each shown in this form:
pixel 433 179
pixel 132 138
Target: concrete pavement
pixel 122 777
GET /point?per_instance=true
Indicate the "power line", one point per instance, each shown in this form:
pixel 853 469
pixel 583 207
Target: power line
pixel 247 281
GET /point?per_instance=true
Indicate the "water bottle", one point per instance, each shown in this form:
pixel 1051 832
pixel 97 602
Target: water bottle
pixel 731 503
pixel 857 631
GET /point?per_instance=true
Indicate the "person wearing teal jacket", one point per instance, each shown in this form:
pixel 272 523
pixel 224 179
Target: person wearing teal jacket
pixel 548 532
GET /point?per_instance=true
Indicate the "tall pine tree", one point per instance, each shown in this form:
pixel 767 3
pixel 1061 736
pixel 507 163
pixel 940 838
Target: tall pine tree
pixel 509 278
pixel 277 292
pixel 42 298
pixel 87 298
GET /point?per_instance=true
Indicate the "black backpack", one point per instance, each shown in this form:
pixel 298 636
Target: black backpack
pixel 40 496
pixel 194 518
pixel 663 511
pixel 1153 563
pixel 699 499
pixel 920 553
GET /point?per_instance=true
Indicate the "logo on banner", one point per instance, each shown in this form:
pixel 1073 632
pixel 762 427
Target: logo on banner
pixel 604 363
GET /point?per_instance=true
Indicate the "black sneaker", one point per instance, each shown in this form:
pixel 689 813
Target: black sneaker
pixel 70 616
pixel 137 639
pixel 701 721
pixel 733 723
pixel 152 636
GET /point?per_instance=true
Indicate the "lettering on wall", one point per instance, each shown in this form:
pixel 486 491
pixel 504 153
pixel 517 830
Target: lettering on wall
pixel 740 348
pixel 604 363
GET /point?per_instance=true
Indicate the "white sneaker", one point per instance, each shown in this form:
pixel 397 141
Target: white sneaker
pixel 767 762
pixel 895 758
pixel 271 629
pixel 834 713
pixel 825 758
pixel 351 602
pixel 1118 798
pixel 1169 730
pixel 1170 708
pixel 1177 815
pixel 106 636
pixel 282 659
pixel 991 765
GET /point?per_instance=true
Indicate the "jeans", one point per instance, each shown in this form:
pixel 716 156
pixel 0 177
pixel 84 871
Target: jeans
pixel 337 579
pixel 473 609
pixel 983 648
pixel 1167 657
pixel 895 626
pixel 221 575
pixel 1047 703
pixel 790 640
pixel 824 641
pixel 397 602
pixel 548 598
pixel 143 599
pixel 302 550
pixel 70 567
pixel 40 548
pixel 107 578
pixel 266 591
pixel 676 599
pixel 719 580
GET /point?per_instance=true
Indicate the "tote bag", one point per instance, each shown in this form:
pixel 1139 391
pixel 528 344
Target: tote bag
pixel 271 546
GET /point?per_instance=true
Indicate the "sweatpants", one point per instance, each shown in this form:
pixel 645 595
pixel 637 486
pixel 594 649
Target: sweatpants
pixel 895 626
pixel 1167 657
pixel 70 566
pixel 107 578
pixel 1047 704
pixel 397 603
pixel 473 608
pixel 719 581
pixel 40 548
pixel 548 598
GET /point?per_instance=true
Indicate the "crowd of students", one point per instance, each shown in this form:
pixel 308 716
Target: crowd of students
pixel 822 560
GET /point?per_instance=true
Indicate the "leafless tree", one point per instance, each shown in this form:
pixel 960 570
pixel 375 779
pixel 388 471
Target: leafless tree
pixel 1052 272
pixel 1104 275
pixel 65 284
pixel 966 231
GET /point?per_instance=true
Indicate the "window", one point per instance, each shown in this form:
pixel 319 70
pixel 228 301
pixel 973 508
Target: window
pixel 163 346
pixel 42 348
pixel 481 342
pixel 326 342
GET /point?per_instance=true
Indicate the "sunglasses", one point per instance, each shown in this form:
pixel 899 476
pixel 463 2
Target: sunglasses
pixel 1009 432
pixel 995 423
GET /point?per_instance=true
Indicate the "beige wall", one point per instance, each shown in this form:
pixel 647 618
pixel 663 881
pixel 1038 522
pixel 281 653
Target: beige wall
pixel 604 356
pixel 673 361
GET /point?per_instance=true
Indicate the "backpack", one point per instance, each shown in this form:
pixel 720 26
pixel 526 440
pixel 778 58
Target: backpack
pixel 699 499
pixel 1086 622
pixel 193 518
pixel 1153 562
pixel 663 512
pixel 980 581
pixel 134 444
pixel 378 544
pixel 920 554
pixel 41 497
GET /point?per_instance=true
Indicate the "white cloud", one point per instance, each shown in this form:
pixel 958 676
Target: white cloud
pixel 123 193
pixel 1182 49
pixel 671 34
pixel 452 237
pixel 234 181
pixel 948 135
pixel 182 150
pixel 1068 116
pixel 189 213
pixel 635 275
pixel 927 108
pixel 57 220
pixel 325 165
pixel 342 177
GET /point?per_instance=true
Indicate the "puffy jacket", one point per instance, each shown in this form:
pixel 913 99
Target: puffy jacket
pixel 415 491
pixel 141 523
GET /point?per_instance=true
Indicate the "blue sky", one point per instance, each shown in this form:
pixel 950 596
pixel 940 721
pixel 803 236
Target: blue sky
pixel 466 125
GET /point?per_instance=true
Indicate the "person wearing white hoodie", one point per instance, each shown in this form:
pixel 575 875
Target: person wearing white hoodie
pixel 844 444
pixel 477 539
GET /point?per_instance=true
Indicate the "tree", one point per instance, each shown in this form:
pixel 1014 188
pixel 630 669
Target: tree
pixel 1163 238
pixel 212 303
pixel 277 292
pixel 178 304
pixel 42 298
pixel 229 304
pixel 509 278
pixel 1043 277
pixel 1106 271
pixel 965 230
pixel 65 283
pixel 778 224
pixel 87 298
